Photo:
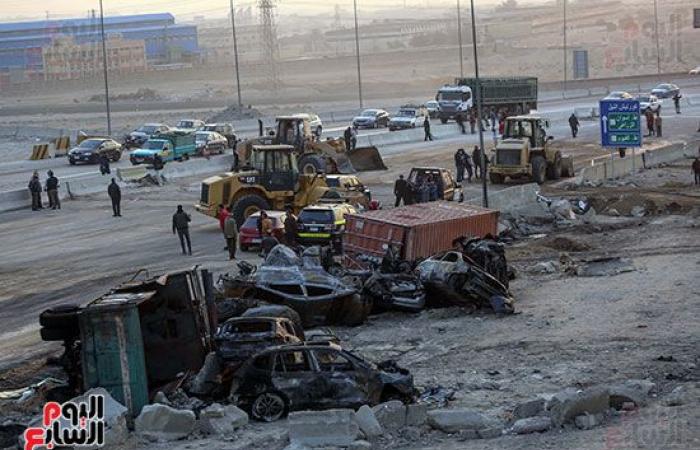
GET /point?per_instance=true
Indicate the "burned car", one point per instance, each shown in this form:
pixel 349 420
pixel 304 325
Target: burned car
pixel 401 291
pixel 488 254
pixel 456 279
pixel 285 279
pixel 315 376
pixel 242 337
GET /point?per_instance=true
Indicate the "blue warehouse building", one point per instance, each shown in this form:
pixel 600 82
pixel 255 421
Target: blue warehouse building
pixel 21 43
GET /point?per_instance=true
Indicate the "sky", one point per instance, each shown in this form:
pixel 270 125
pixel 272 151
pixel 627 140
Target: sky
pixel 13 10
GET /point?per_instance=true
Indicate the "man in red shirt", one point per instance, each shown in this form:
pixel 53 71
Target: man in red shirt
pixel 222 216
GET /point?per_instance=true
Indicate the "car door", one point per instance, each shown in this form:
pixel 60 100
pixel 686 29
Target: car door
pixel 294 376
pixel 345 383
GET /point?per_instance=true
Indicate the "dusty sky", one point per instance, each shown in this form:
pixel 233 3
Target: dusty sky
pixel 13 10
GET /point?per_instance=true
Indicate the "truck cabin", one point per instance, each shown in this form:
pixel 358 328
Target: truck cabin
pixel 277 165
pixel 454 94
pixel 526 128
pixel 292 131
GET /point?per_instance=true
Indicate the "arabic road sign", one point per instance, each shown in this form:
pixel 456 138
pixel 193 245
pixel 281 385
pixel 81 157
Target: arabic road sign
pixel 620 123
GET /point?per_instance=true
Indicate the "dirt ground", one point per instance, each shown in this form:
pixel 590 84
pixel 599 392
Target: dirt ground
pixel 569 331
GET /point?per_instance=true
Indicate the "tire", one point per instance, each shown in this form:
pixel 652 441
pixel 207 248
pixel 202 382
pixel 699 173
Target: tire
pixel 71 161
pixel 61 316
pixel 58 334
pixel 496 178
pixel 116 156
pixel 278 311
pixel 539 169
pixel 247 205
pixel 269 407
pixel 312 164
pixel 554 169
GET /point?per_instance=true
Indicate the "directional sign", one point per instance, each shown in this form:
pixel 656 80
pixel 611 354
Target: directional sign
pixel 620 123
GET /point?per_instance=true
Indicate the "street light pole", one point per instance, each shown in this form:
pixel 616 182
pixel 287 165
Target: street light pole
pixel 656 33
pixel 480 124
pixel 565 51
pixel 459 34
pixel 357 54
pixel 104 67
pixel 235 56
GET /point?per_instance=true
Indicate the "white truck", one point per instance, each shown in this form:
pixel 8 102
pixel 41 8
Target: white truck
pixel 453 100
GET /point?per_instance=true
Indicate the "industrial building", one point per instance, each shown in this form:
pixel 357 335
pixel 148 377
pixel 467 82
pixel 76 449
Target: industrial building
pixel 22 44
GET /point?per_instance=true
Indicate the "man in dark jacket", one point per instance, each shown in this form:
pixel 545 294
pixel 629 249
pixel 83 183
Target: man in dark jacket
pixel 35 190
pixel 573 124
pixel 426 128
pixel 104 165
pixel 400 191
pixel 476 157
pixel 460 164
pixel 348 139
pixel 460 123
pixel 115 194
pixel 181 224
pixel 290 228
pixel 52 191
pixel 231 235
pixel 696 171
pixel 677 102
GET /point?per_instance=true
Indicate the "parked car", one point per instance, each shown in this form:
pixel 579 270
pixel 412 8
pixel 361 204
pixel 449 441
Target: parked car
pixel 211 141
pixel 666 90
pixel 315 123
pixel 90 150
pixel 418 174
pixel 348 183
pixel 144 132
pixel 315 376
pixel 619 95
pixel 224 129
pixel 433 107
pixel 242 337
pixel 249 235
pixel 371 118
pixel 408 116
pixel 190 125
pixel 649 102
pixel 323 224
pixel 695 71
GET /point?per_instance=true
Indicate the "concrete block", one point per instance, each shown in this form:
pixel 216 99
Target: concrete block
pixel 565 406
pixel 323 428
pixel 529 409
pixel 454 420
pixel 490 433
pixel 416 414
pixel 222 420
pixel 161 422
pixel 367 422
pixel 536 424
pixel 391 415
pixel 360 445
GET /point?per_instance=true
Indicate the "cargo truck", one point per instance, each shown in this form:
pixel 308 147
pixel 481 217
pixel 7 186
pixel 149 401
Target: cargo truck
pixel 515 95
pixel 171 146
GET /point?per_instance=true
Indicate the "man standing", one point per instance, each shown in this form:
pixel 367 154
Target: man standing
pixel 231 235
pixel 493 118
pixel 348 138
pixel 472 121
pixel 290 228
pixel 696 171
pixel 115 194
pixel 650 122
pixel 460 122
pixel 573 124
pixel 657 124
pixel 426 128
pixel 476 156
pixel 459 164
pixel 222 215
pixel 181 221
pixel 104 164
pixel 400 188
pixel 35 190
pixel 677 102
pixel 52 191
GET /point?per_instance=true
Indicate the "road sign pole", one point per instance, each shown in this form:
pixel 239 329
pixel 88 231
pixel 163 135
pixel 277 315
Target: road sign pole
pixel 612 164
pixel 633 169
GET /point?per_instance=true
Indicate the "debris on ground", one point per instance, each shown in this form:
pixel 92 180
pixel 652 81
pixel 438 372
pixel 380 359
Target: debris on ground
pixel 232 113
pixel 160 422
pixel 600 267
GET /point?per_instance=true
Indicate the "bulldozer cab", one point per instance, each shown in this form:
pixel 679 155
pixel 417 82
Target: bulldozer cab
pixel 294 131
pixel 530 128
pixel 277 166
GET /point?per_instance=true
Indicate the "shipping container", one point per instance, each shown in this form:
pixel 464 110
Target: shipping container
pixel 419 230
pixel 504 91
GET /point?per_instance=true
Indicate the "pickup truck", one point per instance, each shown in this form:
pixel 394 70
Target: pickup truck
pixel 172 146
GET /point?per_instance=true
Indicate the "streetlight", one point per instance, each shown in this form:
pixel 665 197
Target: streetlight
pixel 357 54
pixel 565 50
pixel 477 85
pixel 459 35
pixel 104 67
pixel 235 57
pixel 656 35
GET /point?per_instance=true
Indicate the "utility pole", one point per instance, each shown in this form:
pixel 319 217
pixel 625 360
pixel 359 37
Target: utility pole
pixel 656 35
pixel 459 35
pixel 565 51
pixel 104 67
pixel 357 54
pixel 480 124
pixel 235 57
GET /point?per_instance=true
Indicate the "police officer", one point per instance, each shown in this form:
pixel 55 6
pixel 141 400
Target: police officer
pixel 181 221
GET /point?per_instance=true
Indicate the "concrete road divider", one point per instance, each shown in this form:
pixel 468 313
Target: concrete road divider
pixel 131 173
pixel 40 151
pixel 61 146
pixel 514 199
pixel 13 200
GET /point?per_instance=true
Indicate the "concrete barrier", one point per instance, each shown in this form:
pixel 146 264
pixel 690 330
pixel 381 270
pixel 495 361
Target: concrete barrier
pixel 13 200
pixel 512 199
pixel 131 173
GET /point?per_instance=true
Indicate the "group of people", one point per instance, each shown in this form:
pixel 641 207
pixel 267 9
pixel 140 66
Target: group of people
pixel 654 122
pixel 424 189
pixel 469 163
pixel 491 118
pixel 51 188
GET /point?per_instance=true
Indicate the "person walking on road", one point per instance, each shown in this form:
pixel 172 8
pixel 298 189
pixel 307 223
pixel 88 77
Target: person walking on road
pixel 222 215
pixel 181 225
pixel 460 122
pixel 52 191
pixel 573 124
pixel 290 228
pixel 650 122
pixel 35 191
pixel 104 165
pixel 696 171
pixel 476 156
pixel 657 124
pixel 677 102
pixel 231 235
pixel 459 164
pixel 493 118
pixel 348 138
pixel 426 128
pixel 401 191
pixel 115 194
pixel 472 121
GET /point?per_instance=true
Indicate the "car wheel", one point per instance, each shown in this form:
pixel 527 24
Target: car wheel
pixel 71 161
pixel 116 156
pixel 269 407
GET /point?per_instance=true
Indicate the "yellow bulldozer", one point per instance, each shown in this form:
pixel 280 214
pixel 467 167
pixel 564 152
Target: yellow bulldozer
pixel 314 155
pixel 524 152
pixel 269 179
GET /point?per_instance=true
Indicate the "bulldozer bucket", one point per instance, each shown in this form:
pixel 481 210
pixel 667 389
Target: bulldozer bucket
pixel 366 158
pixel 335 151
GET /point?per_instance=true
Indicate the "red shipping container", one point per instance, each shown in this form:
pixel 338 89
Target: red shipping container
pixel 420 230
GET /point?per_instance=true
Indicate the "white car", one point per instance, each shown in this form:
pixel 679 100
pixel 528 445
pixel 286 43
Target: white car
pixel 695 71
pixel 433 107
pixel 189 125
pixel 408 117
pixel 619 95
pixel 314 122
pixel 210 141
pixel 649 102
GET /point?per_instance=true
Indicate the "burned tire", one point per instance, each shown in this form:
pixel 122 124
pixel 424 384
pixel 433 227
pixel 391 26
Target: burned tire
pixel 539 169
pixel 496 178
pixel 269 407
pixel 58 334
pixel 247 205
pixel 61 316
pixel 278 311
pixel 312 164
pixel 554 169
